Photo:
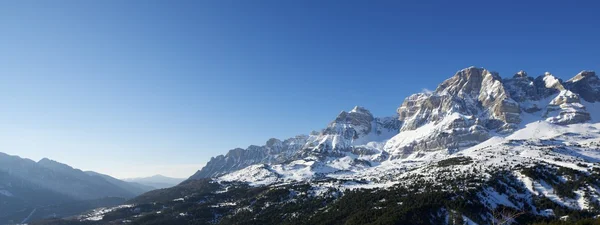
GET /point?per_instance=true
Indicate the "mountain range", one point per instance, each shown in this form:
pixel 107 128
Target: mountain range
pixel 479 149
pixel 32 190
pixel 156 181
pixel 466 109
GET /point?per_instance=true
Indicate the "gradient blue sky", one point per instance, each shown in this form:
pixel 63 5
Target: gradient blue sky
pixel 135 88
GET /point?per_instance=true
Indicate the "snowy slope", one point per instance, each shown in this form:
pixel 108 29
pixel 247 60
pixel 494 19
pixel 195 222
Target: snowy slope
pixel 539 146
pixel 446 139
pixel 467 109
pixel 521 144
pixel 538 142
pixel 355 132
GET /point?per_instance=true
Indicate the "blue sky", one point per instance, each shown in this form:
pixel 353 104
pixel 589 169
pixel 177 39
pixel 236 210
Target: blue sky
pixel 134 88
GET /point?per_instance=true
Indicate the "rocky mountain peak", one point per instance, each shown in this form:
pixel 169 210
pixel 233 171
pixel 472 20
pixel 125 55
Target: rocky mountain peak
pixel 552 82
pixel 274 143
pixel 350 128
pixel 464 110
pixel 521 87
pixel 361 110
pixel 465 81
pixel 586 84
pixel 470 91
pixel 466 107
pixel 355 127
pixel 521 74
pixel 584 74
pixel 460 112
pixel 357 116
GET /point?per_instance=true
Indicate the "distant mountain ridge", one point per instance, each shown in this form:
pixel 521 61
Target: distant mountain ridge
pixel 135 187
pixel 156 181
pixel 27 185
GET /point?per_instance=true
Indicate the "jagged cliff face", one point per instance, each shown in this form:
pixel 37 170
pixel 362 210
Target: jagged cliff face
pixel 586 84
pixel 509 143
pixel 464 110
pixel 525 89
pixel 356 131
pixel 472 91
pixel 460 112
pixel 483 93
pixel 274 151
pixel 475 103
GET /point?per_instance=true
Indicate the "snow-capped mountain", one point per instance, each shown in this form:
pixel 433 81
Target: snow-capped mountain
pixel 356 131
pixel 479 149
pixel 475 104
pixel 468 108
pixel 586 84
pixel 474 122
pixel 274 151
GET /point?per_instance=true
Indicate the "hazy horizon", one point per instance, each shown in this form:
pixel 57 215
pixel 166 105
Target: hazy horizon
pixel 133 89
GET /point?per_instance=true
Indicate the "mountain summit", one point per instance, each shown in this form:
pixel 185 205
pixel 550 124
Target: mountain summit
pixel 466 109
pixel 356 129
pixel 480 149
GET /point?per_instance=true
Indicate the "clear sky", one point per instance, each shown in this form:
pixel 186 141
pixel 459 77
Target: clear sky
pixel 136 88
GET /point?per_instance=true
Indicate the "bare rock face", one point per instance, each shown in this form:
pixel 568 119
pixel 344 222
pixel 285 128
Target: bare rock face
pixel 452 132
pixel 274 151
pixel 528 92
pixel 464 110
pixel 548 95
pixel 358 120
pixel 586 84
pixel 356 131
pixel 566 108
pixel 480 90
pixel 421 108
pixel 349 130
pixel 460 112
pixel 472 91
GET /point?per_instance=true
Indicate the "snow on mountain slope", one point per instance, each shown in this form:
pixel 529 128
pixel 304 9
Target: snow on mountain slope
pixel 464 109
pixel 486 106
pixel 462 134
pixel 575 146
pixel 274 151
pixel 586 84
pixel 454 130
pixel 483 143
pixel 355 132
pixel 467 109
